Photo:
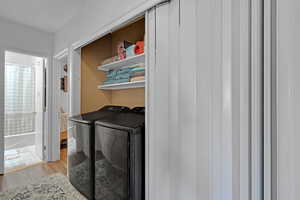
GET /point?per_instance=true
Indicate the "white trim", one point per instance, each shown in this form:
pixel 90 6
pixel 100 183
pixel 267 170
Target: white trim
pixel 74 82
pixel 150 63
pixel 118 23
pixel 48 112
pixel 62 54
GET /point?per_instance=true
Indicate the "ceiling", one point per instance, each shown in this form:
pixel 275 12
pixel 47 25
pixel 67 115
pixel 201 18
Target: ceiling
pixel 46 15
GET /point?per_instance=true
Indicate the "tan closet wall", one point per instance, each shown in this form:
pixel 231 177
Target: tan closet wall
pixel 132 33
pixel 130 97
pixel 93 55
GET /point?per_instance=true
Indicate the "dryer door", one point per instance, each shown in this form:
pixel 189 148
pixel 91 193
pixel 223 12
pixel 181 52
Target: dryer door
pixel 111 167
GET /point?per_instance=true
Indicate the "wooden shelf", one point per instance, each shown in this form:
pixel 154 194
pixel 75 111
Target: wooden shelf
pixel 120 86
pixel 133 60
pixel 63 135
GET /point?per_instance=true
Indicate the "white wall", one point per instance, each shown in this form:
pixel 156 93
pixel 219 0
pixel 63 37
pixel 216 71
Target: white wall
pixel 94 15
pixel 21 38
pixel 22 59
pixel 288 60
pixel 24 38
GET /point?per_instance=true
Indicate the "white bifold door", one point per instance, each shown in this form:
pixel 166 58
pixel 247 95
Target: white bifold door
pixel 22 110
pixel 40 107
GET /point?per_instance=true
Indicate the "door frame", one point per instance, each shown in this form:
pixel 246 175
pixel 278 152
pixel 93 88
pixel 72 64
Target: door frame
pixel 55 138
pixel 47 114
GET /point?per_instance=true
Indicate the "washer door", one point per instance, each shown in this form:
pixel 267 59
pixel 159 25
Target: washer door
pixel 79 158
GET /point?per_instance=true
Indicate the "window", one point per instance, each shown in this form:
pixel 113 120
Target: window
pixel 19 99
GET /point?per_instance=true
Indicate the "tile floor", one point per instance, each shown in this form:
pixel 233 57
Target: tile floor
pixel 20 158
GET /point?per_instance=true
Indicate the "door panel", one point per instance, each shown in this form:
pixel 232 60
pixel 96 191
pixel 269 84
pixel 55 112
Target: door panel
pixel 286 97
pixel 2 63
pixel 40 70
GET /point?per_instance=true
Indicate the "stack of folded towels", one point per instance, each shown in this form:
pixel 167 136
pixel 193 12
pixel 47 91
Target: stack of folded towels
pixel 136 73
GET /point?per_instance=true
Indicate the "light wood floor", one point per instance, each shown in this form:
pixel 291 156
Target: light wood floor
pixel 29 174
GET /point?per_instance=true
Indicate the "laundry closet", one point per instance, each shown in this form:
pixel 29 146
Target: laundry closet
pixel 95 93
pixel 106 141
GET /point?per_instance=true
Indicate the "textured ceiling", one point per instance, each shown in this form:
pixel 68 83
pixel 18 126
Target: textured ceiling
pixel 46 15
